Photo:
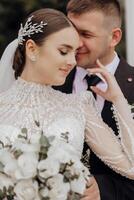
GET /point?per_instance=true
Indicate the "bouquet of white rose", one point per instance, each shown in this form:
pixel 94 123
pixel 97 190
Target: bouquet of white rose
pixel 40 168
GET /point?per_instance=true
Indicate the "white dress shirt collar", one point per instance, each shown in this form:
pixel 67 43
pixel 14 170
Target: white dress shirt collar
pixel 80 83
pixel 111 67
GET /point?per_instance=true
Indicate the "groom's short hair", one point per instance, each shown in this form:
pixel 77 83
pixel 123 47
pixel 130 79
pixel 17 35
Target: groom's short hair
pixel 110 8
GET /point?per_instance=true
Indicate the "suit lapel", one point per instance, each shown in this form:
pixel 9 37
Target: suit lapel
pixel 125 78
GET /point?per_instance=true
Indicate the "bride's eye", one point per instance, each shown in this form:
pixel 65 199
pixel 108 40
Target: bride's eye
pixel 63 52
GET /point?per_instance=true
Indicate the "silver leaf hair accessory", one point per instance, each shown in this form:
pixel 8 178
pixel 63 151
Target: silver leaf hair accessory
pixel 29 29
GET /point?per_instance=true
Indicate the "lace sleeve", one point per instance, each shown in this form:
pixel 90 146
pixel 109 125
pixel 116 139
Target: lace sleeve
pixel 117 153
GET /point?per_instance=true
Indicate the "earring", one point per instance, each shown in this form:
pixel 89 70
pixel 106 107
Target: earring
pixel 32 58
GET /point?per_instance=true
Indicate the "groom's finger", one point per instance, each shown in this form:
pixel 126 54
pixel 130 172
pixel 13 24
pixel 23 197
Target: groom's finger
pixel 105 74
pixel 97 91
pixel 100 64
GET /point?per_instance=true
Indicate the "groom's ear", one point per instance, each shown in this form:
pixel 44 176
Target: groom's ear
pixel 116 37
pixel 31 49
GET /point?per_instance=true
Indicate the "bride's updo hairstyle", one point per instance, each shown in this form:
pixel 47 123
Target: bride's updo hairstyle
pixel 38 26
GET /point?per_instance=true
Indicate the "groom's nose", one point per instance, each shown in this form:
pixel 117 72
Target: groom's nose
pixel 80 43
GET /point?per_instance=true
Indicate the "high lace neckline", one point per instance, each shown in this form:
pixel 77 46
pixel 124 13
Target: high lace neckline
pixel 30 86
pixel 23 92
pixel 23 86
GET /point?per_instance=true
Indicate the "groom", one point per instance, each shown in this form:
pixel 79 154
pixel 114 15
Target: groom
pixel 99 26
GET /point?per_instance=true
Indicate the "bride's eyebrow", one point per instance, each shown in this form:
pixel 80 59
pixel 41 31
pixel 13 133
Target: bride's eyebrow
pixel 67 46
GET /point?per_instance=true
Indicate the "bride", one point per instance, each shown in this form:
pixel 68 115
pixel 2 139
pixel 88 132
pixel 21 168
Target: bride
pixel 42 56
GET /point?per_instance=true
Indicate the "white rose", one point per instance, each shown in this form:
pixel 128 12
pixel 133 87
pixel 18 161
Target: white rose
pixel 78 168
pixel 24 147
pixel 10 168
pixel 8 134
pixel 78 185
pixel 59 189
pixel 65 155
pixel 48 167
pixel 44 192
pixel 5 181
pixel 35 138
pixel 5 156
pixel 27 166
pixel 27 190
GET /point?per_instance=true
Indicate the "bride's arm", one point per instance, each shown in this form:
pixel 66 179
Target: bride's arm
pixel 116 153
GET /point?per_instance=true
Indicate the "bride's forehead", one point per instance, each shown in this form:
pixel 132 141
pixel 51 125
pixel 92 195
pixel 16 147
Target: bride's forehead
pixel 68 36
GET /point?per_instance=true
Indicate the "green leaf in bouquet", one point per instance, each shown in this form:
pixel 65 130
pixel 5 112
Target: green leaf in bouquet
pixel 23 134
pixel 65 136
pixel 68 177
pixel 45 198
pixel 37 123
pixel 11 193
pixel 1 167
pixel 75 176
pixel 43 150
pixel 51 139
pixel 17 153
pixel 1 194
pixel 22 137
pixel 11 190
pixel 7 193
pixel 43 153
pixel 4 194
pixel 44 146
pixel 10 197
pixel 4 190
pixel 1 144
pixel 65 170
pixel 70 164
pixel 62 167
pixel 24 130
pixel 74 196
pixel 44 141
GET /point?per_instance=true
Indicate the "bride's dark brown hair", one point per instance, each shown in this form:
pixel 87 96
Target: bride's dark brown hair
pixel 55 20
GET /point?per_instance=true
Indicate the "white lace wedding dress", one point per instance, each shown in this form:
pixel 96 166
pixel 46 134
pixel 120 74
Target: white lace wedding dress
pixel 58 113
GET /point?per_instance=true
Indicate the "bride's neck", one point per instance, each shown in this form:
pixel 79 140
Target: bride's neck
pixel 30 76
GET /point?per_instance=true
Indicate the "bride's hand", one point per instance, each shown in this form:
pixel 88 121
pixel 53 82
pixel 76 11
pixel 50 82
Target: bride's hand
pixel 92 191
pixel 113 92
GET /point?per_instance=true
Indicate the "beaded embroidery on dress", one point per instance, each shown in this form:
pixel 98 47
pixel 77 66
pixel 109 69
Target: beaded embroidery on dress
pixel 77 115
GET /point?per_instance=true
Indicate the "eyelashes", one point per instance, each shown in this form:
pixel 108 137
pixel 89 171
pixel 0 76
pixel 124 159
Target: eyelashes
pixel 63 53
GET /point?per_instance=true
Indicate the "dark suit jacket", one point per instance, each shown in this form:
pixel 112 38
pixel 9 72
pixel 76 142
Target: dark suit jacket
pixel 112 185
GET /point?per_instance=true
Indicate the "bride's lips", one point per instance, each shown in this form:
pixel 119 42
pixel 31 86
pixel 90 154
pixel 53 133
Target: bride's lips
pixel 65 70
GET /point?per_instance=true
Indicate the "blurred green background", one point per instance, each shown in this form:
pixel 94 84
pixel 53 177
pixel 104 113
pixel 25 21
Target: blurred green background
pixel 12 13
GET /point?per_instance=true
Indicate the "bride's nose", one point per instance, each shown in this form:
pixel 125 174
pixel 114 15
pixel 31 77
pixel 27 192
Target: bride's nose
pixel 71 60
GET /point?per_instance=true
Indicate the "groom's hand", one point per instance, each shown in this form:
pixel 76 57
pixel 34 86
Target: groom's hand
pixel 92 192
